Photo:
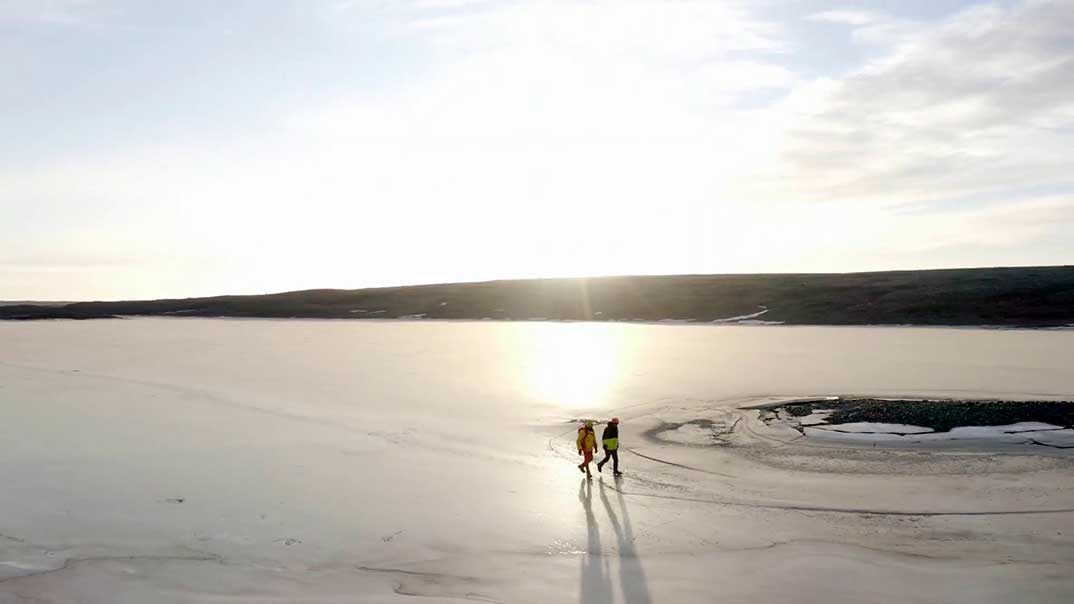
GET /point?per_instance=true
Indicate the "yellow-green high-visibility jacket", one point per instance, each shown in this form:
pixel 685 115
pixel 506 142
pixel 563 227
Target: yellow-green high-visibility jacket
pixel 610 437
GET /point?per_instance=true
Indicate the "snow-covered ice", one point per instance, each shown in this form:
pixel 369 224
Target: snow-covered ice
pixel 818 416
pixel 742 318
pixel 203 461
pixel 1054 438
pixel 1004 429
pixel 1020 433
pixel 875 428
pixel 690 434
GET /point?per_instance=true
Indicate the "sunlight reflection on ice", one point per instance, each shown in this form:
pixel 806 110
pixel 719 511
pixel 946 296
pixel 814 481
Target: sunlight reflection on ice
pixel 573 365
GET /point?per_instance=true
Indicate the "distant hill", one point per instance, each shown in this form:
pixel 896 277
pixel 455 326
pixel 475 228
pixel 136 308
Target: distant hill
pixel 1027 297
pixel 31 302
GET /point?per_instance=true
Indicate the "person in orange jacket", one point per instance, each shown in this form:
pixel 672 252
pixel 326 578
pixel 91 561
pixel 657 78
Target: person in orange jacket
pixel 587 446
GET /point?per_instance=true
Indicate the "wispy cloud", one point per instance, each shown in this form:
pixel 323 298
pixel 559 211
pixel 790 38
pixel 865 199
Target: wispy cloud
pixel 871 28
pixel 449 4
pixel 49 12
pixel 572 70
pixel 982 100
pixel 848 17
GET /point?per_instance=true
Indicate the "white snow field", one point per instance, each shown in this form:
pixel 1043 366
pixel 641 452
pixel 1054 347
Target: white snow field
pixel 203 461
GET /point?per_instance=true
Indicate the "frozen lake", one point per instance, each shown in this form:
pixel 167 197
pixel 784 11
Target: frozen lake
pixel 256 461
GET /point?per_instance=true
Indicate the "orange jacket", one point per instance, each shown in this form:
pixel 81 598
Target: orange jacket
pixel 587 439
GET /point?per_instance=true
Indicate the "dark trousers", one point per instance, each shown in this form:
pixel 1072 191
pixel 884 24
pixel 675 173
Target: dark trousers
pixel 614 456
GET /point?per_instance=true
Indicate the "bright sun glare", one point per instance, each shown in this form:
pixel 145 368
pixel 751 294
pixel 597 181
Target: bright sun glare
pixel 574 365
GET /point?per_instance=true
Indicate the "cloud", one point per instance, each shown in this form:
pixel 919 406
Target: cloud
pixel 870 28
pixel 979 102
pixel 46 12
pixel 594 71
pixel 449 4
pixel 847 17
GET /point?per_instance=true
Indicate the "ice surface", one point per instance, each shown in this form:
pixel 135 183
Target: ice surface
pixel 1054 438
pixel 854 437
pixel 254 461
pixel 690 434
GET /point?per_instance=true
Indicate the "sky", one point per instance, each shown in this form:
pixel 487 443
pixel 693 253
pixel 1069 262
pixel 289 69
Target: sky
pixel 174 149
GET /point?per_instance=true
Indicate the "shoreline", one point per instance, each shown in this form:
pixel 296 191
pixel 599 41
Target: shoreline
pixel 1033 297
pixel 657 322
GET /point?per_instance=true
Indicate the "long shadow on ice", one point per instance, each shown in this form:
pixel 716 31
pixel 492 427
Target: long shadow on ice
pixel 596 566
pixel 596 581
pixel 631 574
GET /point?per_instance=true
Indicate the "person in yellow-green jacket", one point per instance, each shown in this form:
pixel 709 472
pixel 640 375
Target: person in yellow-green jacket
pixel 610 440
pixel 587 446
